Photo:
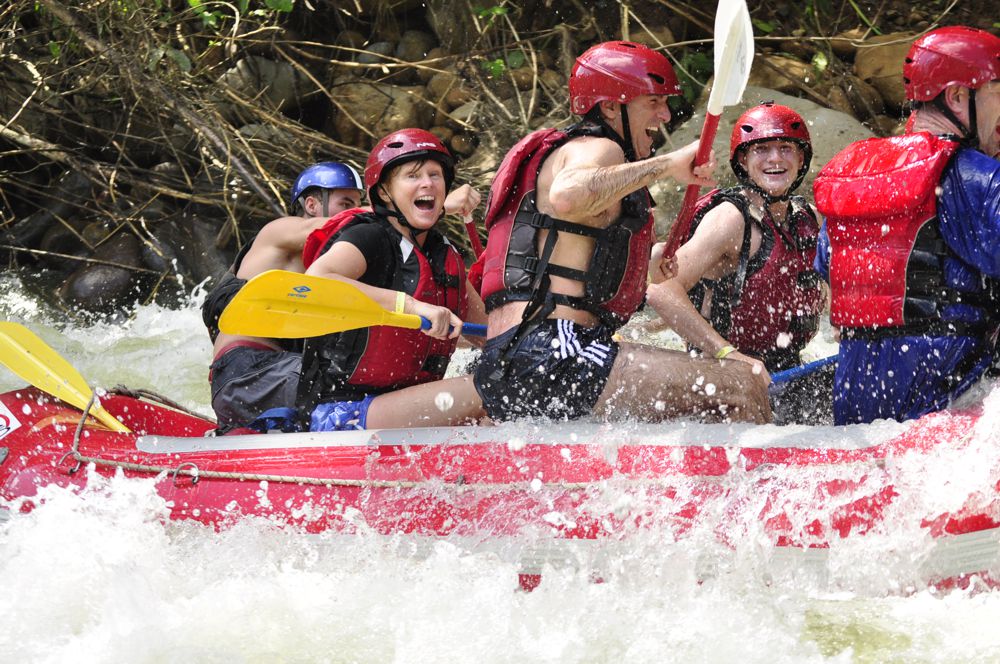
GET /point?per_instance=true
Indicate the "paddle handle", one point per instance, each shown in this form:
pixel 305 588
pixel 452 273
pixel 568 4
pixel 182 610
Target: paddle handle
pixel 472 329
pixel 796 372
pixel 470 227
pixel 681 228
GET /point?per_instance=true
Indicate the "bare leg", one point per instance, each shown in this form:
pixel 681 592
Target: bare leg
pixel 440 403
pixel 655 384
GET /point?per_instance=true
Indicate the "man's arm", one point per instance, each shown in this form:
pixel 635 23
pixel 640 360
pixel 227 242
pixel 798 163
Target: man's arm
pixel 590 175
pixel 712 252
pixel 274 246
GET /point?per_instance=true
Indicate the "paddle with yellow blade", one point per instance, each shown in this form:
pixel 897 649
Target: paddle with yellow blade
pixel 38 363
pixel 733 56
pixel 288 305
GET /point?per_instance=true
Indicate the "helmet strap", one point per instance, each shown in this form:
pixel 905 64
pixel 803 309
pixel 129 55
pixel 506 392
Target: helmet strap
pixel 394 213
pixel 626 129
pixel 624 142
pixel 326 202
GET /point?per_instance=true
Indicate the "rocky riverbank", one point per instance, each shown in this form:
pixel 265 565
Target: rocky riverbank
pixel 142 143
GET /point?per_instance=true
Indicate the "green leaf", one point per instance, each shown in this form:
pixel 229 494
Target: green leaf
pixel 820 61
pixel 495 68
pixel 154 58
pixel 180 58
pixel 55 49
pixel 283 6
pixel 490 12
pixel 764 26
pixel 516 59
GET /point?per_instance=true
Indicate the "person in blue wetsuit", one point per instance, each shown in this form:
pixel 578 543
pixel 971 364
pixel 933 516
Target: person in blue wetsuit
pixel 911 245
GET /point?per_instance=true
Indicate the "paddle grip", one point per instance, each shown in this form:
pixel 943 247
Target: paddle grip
pixel 472 329
pixel 682 226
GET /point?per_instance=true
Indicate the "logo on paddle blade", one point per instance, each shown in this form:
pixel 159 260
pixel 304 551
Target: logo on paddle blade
pixel 300 291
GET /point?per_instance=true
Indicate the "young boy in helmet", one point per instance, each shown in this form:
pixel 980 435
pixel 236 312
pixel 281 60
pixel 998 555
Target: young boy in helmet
pixel 913 254
pixel 745 286
pixel 250 375
pixel 570 233
pixel 394 254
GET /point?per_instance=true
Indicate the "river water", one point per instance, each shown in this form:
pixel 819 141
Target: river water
pixel 104 576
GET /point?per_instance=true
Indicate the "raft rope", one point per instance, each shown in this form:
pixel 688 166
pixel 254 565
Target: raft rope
pixel 149 395
pixel 189 469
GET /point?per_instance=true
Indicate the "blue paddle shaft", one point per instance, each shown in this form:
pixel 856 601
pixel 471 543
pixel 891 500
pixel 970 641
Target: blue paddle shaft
pixel 471 329
pixel 795 372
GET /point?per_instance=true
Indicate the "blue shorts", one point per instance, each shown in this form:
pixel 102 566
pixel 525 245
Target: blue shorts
pixel 557 370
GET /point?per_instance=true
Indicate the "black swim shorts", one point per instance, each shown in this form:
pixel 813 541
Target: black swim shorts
pixel 246 381
pixel 556 370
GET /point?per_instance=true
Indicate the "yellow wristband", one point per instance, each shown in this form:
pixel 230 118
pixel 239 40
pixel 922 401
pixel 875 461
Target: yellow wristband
pixel 400 301
pixel 723 352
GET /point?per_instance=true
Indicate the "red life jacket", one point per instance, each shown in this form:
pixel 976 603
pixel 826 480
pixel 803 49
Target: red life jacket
pixel 515 270
pixel 879 197
pixel 378 359
pixel 769 306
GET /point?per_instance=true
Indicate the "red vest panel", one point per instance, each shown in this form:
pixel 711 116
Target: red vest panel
pixel 877 194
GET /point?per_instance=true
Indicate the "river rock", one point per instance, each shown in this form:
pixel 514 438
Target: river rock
pixel 653 36
pixel 63 200
pixel 277 84
pixel 880 62
pixel 437 62
pixel 845 44
pixel 414 45
pixel 379 107
pixel 99 288
pixel 831 132
pixel 453 24
pixel 784 73
pixel 863 99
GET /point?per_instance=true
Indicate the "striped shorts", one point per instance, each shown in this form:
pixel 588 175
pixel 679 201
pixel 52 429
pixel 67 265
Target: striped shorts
pixel 556 370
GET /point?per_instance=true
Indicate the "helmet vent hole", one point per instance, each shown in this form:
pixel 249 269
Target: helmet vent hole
pixel 628 44
pixel 395 145
pixel 746 128
pixel 656 77
pixel 796 125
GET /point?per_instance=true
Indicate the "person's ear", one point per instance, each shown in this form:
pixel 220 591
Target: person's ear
pixel 956 98
pixel 312 206
pixel 610 110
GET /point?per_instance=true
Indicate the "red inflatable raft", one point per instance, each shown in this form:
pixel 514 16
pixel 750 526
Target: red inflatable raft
pixel 549 487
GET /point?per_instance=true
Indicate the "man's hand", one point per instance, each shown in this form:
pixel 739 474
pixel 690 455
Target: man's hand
pixel 462 201
pixel 661 269
pixel 681 166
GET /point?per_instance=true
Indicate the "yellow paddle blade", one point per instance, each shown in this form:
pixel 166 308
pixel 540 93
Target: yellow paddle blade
pixel 38 363
pixel 288 305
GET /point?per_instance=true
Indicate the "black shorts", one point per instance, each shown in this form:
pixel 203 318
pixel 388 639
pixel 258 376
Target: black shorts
pixel 247 381
pixel 556 370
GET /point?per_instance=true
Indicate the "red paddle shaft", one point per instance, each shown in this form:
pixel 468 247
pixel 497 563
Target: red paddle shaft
pixel 470 226
pixel 679 231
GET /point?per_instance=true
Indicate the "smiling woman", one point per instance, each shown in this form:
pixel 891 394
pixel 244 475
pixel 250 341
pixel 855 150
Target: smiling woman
pixel 395 256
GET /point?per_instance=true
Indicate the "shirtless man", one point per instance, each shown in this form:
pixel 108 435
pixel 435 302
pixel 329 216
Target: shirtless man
pixel 250 375
pixel 570 233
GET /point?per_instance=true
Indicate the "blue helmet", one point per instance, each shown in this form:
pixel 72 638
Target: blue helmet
pixel 326 175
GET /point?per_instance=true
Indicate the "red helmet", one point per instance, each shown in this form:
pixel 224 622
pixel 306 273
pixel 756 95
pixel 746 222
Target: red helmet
pixel 955 55
pixel 769 122
pixel 619 71
pixel 402 146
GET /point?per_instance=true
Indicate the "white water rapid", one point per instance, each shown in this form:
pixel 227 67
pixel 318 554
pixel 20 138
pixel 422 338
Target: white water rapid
pixel 104 576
